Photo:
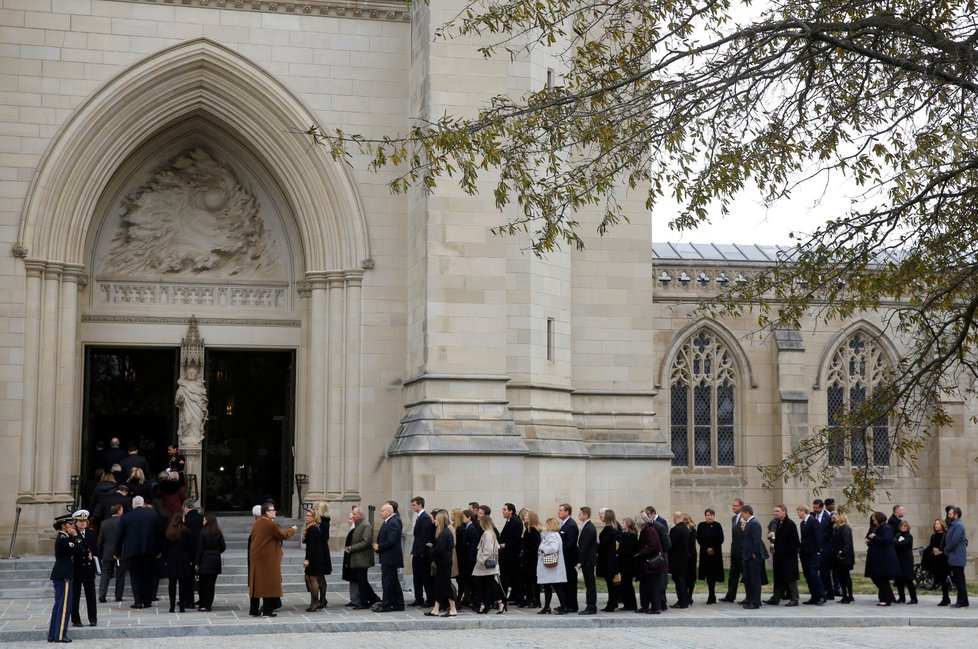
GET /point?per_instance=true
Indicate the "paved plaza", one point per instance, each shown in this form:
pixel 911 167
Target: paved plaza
pixel 25 621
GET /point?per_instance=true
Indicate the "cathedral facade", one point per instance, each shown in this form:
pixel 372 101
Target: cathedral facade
pixel 355 345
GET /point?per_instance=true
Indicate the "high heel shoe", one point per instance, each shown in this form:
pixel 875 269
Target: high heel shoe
pixel 501 608
pixel 482 610
pixel 544 611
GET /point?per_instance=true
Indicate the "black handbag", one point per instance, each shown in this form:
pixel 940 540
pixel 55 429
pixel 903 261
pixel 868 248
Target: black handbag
pixel 490 564
pixel 654 563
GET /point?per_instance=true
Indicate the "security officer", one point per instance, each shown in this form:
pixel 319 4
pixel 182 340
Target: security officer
pixel 84 571
pixel 66 547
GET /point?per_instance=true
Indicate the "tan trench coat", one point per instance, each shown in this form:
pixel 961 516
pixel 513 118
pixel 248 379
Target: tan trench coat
pixel 265 571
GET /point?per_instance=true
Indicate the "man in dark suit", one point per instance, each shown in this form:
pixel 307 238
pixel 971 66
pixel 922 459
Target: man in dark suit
pixel 139 545
pixel 736 558
pixel 510 540
pixel 785 546
pixel 824 520
pixel 567 592
pixel 424 538
pixel 120 496
pixel 134 461
pixel 105 548
pixel 665 540
pixel 388 546
pixel 112 455
pixel 810 552
pixel 754 553
pixel 587 559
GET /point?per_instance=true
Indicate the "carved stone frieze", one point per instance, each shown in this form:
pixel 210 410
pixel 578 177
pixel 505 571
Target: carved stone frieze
pixel 211 322
pixel 375 9
pixel 207 295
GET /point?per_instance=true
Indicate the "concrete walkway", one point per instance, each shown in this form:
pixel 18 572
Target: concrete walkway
pixel 27 619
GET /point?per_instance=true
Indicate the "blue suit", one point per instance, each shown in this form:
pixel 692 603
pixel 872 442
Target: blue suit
pixel 424 533
pixel 811 557
pixel 66 548
pixel 754 553
pixel 956 549
pixel 391 558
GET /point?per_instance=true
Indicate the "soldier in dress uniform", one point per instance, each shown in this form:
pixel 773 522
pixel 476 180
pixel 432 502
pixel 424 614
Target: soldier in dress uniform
pixel 66 547
pixel 84 571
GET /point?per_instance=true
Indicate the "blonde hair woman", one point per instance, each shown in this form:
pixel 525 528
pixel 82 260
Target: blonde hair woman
pixel 486 570
pixel 321 507
pixel 313 562
pixel 441 554
pixel 529 557
pixel 843 555
pixel 550 565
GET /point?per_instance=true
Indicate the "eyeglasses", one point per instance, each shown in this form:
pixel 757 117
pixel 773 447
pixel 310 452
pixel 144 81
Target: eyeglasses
pixel 270 509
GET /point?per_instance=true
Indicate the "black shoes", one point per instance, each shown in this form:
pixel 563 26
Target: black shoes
pixel 588 611
pixel 544 611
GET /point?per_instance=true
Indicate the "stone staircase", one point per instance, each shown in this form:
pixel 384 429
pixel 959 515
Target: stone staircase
pixel 29 577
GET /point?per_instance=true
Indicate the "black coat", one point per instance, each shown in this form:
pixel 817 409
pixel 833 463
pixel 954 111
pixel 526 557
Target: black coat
pixel 441 551
pixel 66 548
pixel 209 550
pixel 528 551
pixel 512 536
pixel 936 563
pixel 568 539
pixel 177 556
pixel 786 546
pixel 679 552
pixel 881 560
pixel 710 537
pixel 424 533
pixel 843 553
pixel 314 551
pixel 194 521
pixel 810 533
pixel 389 543
pixel 473 534
pixel 607 551
pixel 587 545
pixel 84 561
pixel 649 545
pixel 903 544
pixel 140 533
pixel 627 549
pixel 96 504
pixel 324 539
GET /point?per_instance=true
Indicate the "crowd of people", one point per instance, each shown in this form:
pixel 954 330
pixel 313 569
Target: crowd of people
pixel 529 560
pixel 463 558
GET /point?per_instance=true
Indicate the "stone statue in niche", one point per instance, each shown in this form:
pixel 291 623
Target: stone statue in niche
pixel 193 217
pixel 191 397
pixel 192 401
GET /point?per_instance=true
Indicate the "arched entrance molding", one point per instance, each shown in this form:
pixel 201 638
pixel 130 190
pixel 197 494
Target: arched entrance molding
pixel 197 76
pixel 193 78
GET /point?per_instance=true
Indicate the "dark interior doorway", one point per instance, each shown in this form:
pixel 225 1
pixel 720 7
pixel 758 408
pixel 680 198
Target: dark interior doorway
pixel 247 455
pixel 128 394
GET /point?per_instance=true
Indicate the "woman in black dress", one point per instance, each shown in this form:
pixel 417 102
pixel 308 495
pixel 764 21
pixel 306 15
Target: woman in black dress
pixel 935 560
pixel 607 566
pixel 627 549
pixel 903 544
pixel 210 546
pixel 843 555
pixel 679 560
pixel 313 562
pixel 709 534
pixel 322 511
pixel 881 561
pixel 441 562
pixel 529 552
pixel 177 557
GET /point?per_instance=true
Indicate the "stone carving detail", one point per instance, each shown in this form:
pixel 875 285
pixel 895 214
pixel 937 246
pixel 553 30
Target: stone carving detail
pixel 263 297
pixel 194 217
pixel 191 397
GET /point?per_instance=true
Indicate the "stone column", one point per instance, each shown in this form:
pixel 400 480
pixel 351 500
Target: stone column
pixel 334 389
pixel 316 384
pixel 65 415
pixel 47 381
pixel 32 334
pixel 351 428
